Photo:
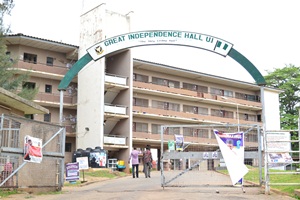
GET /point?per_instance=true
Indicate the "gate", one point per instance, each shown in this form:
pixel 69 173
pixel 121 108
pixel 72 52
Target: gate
pixel 200 162
pixel 17 173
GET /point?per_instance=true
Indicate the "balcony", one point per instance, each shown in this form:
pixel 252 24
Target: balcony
pixel 53 100
pixel 114 79
pixel 178 116
pixel 43 70
pixel 183 94
pixel 115 111
pixel 115 142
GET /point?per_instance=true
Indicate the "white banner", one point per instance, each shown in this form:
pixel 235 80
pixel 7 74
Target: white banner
pixel 232 148
pixel 159 37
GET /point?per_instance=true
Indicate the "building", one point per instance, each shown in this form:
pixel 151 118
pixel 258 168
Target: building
pixel 47 62
pixel 120 102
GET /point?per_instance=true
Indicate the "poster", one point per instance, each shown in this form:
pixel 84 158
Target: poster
pixel 83 162
pixel 171 145
pixel 33 149
pixel 232 148
pixel 72 171
pixel 179 142
pixel 279 158
pixel 98 159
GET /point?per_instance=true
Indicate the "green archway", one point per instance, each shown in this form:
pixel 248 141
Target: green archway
pixel 161 37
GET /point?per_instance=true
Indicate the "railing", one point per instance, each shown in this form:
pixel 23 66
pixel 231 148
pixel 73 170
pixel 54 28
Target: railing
pixel 179 114
pixel 55 98
pixel 42 67
pixel 115 109
pixel 112 78
pixel 115 140
pixel 193 94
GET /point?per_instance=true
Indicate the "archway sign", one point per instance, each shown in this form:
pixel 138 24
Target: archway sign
pixel 161 37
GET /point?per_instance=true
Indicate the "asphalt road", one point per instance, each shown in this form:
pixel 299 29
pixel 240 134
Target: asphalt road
pixel 150 188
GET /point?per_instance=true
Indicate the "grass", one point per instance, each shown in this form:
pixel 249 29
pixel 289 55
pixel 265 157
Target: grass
pixel 6 192
pixel 101 173
pixel 253 176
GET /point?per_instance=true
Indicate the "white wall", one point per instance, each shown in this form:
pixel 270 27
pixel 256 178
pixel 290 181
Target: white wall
pixel 272 112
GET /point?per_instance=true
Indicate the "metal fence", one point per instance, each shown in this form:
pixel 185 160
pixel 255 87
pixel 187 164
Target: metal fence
pixel 17 173
pixel 201 157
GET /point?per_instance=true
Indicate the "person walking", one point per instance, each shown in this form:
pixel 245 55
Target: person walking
pixel 147 160
pixel 134 157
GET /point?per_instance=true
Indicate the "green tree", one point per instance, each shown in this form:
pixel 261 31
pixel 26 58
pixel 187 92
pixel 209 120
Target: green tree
pixel 288 80
pixel 9 78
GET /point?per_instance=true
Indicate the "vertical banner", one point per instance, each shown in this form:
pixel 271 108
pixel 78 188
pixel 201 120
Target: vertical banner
pixel 33 149
pixel 179 142
pixel 171 145
pixel 232 148
pixel 72 171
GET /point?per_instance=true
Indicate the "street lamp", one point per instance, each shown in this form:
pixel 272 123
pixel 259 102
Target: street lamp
pixel 237 111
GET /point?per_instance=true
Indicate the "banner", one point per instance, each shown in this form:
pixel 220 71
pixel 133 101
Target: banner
pixel 232 148
pixel 32 149
pixel 179 142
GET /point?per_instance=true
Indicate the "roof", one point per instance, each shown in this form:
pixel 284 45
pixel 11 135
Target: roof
pixel 12 100
pixel 71 51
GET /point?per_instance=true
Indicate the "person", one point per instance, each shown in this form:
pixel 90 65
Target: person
pixel 28 146
pixel 147 160
pixel 134 157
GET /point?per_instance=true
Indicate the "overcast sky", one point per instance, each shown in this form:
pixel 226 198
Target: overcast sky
pixel 265 31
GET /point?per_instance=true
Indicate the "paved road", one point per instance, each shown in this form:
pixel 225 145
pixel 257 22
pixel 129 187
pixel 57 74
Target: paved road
pixel 150 188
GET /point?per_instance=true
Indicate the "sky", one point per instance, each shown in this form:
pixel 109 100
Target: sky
pixel 266 32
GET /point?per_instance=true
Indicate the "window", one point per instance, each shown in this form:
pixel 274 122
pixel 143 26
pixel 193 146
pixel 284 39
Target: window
pixel 165 82
pixel 32 58
pixel 29 85
pixel 166 105
pixel 193 87
pixel 48 88
pixel 248 97
pixel 47 117
pixel 68 147
pixel 172 131
pixel 29 116
pixel 50 61
pixel 156 129
pixel 140 78
pixel 140 127
pixel 222 113
pixel 140 102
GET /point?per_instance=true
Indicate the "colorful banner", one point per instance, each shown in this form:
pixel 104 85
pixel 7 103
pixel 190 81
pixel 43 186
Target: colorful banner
pixel 98 159
pixel 72 171
pixel 179 142
pixel 33 149
pixel 232 148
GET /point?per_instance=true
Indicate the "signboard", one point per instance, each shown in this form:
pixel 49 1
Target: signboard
pixel 275 143
pixel 83 162
pixel 159 37
pixel 72 171
pixel 33 149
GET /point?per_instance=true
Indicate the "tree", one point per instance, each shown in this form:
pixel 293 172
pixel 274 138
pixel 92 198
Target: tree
pixel 9 79
pixel 288 80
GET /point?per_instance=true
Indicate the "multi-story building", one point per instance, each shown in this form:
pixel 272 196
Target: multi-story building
pixel 47 62
pixel 139 98
pixel 119 102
